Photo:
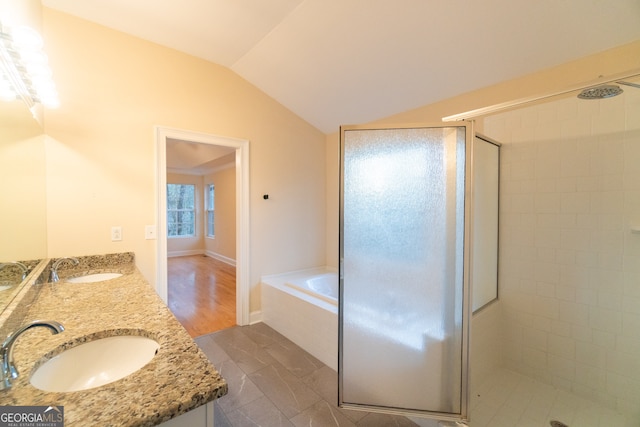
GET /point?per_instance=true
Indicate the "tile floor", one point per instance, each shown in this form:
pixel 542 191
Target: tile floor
pixel 274 383
pixel 510 399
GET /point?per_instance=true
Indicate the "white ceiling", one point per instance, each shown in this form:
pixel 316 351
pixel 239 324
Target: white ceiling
pixel 197 159
pixel 336 62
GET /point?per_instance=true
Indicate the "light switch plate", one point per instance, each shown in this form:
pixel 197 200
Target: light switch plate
pixel 150 232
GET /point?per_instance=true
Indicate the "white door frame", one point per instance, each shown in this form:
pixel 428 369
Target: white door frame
pixel 242 211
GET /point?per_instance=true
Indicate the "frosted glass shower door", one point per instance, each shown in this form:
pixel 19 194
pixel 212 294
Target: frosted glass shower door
pixel 403 293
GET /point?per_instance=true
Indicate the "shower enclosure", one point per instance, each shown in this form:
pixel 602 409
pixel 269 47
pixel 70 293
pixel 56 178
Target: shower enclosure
pixel 568 316
pixel 404 257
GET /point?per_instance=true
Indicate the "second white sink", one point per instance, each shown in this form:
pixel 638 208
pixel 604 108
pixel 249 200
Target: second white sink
pixel 95 363
pixel 90 278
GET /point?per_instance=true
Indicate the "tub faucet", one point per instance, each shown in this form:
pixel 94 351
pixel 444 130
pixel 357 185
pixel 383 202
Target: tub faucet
pixel 24 268
pixel 54 268
pixel 9 370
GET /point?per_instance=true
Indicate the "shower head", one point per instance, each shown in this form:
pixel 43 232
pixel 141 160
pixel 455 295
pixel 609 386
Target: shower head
pixel 600 92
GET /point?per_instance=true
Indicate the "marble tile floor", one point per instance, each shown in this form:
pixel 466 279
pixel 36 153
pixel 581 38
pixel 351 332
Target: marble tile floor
pixel 274 383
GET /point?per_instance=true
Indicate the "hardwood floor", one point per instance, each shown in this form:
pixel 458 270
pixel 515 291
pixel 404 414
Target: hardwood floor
pixel 202 293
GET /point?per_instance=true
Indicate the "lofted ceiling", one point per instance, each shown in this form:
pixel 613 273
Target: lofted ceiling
pixel 337 62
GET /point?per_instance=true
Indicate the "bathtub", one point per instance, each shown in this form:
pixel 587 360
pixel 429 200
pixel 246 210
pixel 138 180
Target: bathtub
pixel 303 306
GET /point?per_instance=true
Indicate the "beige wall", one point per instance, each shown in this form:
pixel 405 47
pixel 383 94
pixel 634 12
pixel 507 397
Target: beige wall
pixel 23 217
pixel 587 69
pixel 177 246
pixel 101 158
pixel 224 243
pixel 23 197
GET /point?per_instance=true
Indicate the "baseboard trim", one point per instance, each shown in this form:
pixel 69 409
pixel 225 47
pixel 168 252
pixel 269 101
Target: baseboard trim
pixel 210 254
pixel 222 258
pixel 174 254
pixel 255 317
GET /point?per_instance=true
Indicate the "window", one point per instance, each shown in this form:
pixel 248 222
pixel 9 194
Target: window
pixel 210 197
pixel 181 210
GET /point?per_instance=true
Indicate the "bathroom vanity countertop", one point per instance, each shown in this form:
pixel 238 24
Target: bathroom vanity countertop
pixel 178 379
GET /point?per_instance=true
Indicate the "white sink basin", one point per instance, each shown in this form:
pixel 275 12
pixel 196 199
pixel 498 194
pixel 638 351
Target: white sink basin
pixel 95 363
pixel 90 278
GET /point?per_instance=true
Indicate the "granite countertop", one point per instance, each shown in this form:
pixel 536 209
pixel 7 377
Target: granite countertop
pixel 178 379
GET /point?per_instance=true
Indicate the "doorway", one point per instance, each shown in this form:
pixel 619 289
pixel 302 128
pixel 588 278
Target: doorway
pixel 240 148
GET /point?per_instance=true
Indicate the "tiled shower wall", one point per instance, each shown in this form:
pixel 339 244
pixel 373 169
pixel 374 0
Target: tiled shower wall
pixel 569 260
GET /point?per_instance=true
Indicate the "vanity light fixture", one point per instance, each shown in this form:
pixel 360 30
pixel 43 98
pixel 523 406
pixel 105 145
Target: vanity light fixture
pixel 24 68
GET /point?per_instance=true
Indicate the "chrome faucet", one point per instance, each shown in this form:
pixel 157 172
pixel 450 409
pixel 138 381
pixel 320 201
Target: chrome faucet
pixel 9 370
pixel 24 268
pixel 54 268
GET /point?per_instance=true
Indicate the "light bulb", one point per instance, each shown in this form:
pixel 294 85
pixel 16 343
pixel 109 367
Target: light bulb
pixel 6 91
pixel 26 38
pixel 33 57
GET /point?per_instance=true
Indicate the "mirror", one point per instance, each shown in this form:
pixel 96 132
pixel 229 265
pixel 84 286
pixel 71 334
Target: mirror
pixel 23 217
pixel 13 278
